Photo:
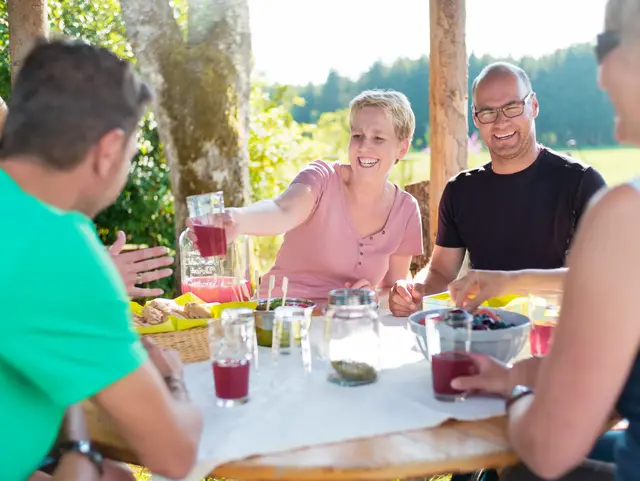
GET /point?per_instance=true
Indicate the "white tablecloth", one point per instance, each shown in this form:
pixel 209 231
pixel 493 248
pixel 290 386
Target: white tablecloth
pixel 289 410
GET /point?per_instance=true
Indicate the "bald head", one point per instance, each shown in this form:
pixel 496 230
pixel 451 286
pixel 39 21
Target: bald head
pixel 499 70
pixel 623 16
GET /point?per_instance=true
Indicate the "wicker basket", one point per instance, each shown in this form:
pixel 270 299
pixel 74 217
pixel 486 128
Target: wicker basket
pixel 192 344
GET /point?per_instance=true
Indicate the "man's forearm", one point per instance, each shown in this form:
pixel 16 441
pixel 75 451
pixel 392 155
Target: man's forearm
pixel 189 415
pixel 433 282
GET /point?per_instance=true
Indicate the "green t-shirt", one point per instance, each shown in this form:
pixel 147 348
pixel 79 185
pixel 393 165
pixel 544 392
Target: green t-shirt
pixel 66 329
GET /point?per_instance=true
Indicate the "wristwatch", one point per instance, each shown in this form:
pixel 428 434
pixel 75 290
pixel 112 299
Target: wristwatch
pixel 84 448
pixel 519 391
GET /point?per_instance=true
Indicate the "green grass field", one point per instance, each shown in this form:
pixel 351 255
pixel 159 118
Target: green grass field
pixel 617 165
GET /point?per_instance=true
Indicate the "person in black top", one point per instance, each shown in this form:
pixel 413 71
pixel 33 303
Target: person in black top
pixel 520 210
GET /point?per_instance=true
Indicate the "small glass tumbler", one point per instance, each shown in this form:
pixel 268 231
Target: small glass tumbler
pixel 291 336
pixel 544 310
pixel 205 212
pixel 449 342
pixel 232 342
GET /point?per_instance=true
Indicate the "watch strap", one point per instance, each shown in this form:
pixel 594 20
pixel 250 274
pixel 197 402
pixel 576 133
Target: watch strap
pixel 517 393
pixel 86 449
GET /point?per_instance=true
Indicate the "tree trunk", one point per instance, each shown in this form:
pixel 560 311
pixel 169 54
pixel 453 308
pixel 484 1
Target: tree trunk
pixel 27 21
pixel 202 86
pixel 448 97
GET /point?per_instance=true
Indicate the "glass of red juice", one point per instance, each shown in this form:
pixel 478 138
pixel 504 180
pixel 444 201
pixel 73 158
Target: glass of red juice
pixel 205 212
pixel 448 335
pixel 233 348
pixel 544 310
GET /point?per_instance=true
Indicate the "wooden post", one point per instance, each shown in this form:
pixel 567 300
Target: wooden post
pixel 27 20
pixel 448 94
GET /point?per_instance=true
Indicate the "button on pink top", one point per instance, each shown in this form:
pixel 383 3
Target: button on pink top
pixel 326 251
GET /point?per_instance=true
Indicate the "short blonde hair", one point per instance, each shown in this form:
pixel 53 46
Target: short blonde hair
pixel 395 104
pixel 624 17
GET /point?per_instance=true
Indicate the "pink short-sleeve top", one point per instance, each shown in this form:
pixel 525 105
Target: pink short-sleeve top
pixel 326 251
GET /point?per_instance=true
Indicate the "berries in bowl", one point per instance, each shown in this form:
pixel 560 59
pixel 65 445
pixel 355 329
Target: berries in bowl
pixel 495 332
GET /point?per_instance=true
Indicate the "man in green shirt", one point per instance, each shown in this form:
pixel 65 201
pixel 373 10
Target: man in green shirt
pixel 66 334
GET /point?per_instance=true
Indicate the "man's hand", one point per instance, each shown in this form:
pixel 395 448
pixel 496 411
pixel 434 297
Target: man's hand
pixel 405 297
pixel 140 266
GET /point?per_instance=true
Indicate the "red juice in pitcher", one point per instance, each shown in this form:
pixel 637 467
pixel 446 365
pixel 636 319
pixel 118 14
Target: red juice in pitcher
pixel 447 366
pixel 231 379
pixel 212 241
pixel 217 288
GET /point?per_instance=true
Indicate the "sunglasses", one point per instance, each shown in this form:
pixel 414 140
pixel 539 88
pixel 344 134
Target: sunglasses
pixel 605 43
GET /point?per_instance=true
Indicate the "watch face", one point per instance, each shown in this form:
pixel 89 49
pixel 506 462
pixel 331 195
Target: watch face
pixel 84 447
pixel 519 389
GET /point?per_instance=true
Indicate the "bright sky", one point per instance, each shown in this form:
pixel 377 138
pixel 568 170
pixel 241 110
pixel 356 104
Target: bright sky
pixel 299 41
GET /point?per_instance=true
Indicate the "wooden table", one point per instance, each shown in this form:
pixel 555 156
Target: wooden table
pixel 454 446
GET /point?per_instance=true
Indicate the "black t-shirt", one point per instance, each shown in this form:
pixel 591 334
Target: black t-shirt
pixel 518 221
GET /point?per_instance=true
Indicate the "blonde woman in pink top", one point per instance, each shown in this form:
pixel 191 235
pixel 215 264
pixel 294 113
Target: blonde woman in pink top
pixel 345 225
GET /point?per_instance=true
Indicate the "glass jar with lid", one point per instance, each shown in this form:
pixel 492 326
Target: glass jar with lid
pixel 352 333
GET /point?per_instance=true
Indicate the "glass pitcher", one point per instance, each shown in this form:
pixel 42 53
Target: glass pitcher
pixel 216 279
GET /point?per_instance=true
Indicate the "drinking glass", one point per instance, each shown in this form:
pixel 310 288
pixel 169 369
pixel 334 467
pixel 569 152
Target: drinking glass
pixel 430 303
pixel 206 211
pixel 232 341
pixel 290 337
pixel 449 342
pixel 544 310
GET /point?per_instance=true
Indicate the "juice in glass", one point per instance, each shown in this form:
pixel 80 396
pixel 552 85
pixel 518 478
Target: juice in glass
pixel 447 366
pixel 212 241
pixel 205 212
pixel 544 313
pixel 448 338
pixel 540 337
pixel 232 345
pixel 231 379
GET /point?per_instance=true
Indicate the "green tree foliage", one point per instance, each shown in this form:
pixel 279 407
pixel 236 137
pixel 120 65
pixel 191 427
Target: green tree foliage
pixel 278 144
pixel 571 104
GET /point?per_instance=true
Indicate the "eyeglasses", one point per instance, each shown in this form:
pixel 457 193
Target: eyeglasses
pixel 511 110
pixel 605 43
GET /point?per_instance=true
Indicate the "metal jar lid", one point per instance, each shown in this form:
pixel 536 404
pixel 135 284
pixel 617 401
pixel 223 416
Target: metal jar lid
pixel 352 297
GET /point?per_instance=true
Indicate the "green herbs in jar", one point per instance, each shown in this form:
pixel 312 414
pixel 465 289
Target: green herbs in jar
pixel 355 372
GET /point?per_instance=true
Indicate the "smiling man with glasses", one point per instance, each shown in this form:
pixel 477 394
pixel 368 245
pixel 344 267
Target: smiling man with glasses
pixel 520 210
